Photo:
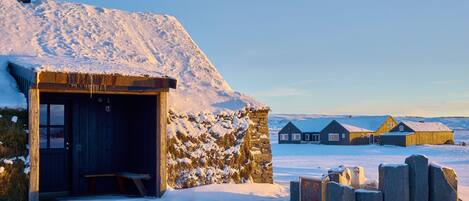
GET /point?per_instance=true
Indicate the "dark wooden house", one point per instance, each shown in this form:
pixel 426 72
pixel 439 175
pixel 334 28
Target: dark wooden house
pixel 304 131
pixel 94 124
pixel 355 130
pixel 409 133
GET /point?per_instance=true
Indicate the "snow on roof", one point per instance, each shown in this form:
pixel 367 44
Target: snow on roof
pixel 70 37
pixel 351 128
pixel 368 123
pixel 426 126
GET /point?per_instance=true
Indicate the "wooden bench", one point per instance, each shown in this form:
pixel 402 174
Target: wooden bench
pixel 134 177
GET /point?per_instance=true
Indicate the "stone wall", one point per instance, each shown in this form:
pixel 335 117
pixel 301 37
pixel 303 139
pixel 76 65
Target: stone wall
pixel 228 147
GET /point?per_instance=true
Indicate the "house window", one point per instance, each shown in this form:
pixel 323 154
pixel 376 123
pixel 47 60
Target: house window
pixel 296 136
pixel 334 137
pixel 306 137
pixel 316 138
pixel 390 125
pixel 401 128
pixel 343 135
pixel 284 137
pixel 52 126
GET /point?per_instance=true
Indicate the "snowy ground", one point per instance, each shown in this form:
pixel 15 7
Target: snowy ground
pixel 292 161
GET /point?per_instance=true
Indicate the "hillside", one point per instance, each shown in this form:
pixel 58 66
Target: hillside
pixel 59 36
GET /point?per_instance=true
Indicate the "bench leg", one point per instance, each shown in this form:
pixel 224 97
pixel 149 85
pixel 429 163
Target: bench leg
pixel 92 186
pixel 120 185
pixel 141 188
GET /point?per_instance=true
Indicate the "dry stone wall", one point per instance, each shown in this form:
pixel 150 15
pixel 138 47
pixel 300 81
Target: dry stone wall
pixel 228 147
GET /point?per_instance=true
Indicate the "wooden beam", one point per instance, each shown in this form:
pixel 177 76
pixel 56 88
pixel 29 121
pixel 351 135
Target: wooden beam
pixel 34 144
pixel 74 91
pixel 162 111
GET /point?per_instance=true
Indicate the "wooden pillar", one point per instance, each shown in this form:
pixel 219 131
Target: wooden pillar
pixel 161 141
pixel 34 144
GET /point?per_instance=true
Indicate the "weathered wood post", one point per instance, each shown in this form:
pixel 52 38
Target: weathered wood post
pixel 34 144
pixel 162 111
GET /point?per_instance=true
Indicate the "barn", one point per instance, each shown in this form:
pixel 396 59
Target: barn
pixel 410 133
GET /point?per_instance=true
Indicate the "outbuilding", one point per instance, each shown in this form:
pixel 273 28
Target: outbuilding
pixel 410 133
pixel 86 128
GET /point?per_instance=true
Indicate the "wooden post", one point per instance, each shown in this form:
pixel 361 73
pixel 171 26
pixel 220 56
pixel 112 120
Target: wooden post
pixel 161 141
pixel 34 144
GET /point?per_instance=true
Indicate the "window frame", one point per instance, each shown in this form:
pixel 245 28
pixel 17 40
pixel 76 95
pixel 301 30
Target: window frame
pixel 284 137
pixel 48 126
pixel 336 137
pixel 307 137
pixel 401 128
pixel 296 136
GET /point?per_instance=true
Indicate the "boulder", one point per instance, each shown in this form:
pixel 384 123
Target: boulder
pixel 341 175
pixel 358 177
pixel 443 183
pixel 394 182
pixel 339 192
pixel 294 191
pixel 313 188
pixel 418 177
pixel 367 195
pixel 351 176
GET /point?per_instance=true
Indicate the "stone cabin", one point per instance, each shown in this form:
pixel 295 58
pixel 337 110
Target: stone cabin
pixel 410 133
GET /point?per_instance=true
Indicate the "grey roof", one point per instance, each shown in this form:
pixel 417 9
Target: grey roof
pixel 317 124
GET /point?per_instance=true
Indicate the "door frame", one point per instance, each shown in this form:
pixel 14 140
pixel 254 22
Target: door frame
pixel 50 99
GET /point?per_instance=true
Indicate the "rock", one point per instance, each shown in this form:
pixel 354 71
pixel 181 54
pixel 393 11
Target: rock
pixel 313 188
pixel 394 182
pixel 339 192
pixel 358 177
pixel 341 175
pixel 418 177
pixel 367 195
pixel 294 191
pixel 443 183
pixel 351 176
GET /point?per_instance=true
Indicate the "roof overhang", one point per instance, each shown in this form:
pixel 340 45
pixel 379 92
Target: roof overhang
pixel 76 82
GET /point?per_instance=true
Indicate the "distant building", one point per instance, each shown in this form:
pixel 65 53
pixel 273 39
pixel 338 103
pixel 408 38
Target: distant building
pixel 410 133
pixel 317 130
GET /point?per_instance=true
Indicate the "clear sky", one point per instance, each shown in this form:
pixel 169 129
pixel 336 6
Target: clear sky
pixel 333 57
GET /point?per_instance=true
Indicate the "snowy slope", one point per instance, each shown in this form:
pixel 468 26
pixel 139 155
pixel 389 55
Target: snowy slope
pixel 59 36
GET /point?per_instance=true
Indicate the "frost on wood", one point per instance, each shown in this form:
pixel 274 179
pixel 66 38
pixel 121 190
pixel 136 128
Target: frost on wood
pixel 226 147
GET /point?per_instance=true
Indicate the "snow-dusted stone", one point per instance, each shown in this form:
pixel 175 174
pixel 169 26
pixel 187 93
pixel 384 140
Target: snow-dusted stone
pixel 341 175
pixel 367 195
pixel 339 192
pixel 394 182
pixel 443 183
pixel 418 177
pixel 358 176
pixel 351 176
pixel 313 188
pixel 294 191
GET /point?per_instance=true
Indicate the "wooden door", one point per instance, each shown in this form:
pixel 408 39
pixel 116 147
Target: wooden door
pixel 54 146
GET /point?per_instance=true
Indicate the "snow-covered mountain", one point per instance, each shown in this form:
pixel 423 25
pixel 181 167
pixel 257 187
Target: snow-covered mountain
pixel 61 36
pixel 278 121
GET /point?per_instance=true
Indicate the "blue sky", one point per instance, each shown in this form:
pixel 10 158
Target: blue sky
pixel 333 57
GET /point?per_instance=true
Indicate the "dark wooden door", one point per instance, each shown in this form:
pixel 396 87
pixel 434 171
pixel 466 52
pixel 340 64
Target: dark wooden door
pixel 54 146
